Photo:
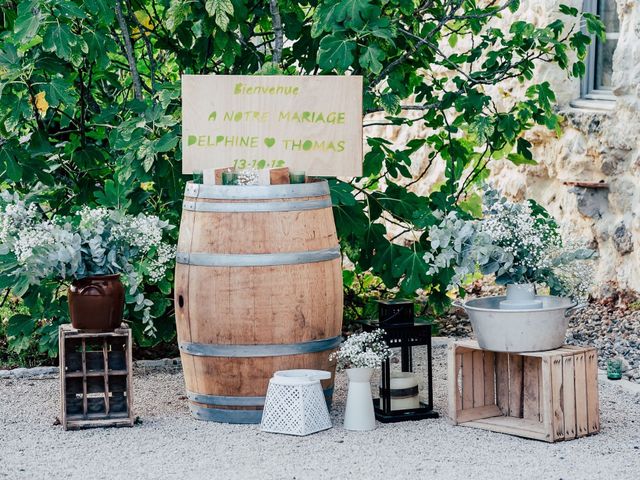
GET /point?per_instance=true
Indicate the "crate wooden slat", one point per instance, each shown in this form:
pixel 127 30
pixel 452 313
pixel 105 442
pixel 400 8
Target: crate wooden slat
pixel 549 396
pixel 95 378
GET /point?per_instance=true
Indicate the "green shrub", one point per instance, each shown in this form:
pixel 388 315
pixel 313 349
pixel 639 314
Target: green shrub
pixel 90 109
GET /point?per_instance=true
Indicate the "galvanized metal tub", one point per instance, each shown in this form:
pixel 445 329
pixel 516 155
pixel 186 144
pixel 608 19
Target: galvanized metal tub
pixel 531 330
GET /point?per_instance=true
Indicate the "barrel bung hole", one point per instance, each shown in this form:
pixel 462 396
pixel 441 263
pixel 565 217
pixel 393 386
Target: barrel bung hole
pixel 180 301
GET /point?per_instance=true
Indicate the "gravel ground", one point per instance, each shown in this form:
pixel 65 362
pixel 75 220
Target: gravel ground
pixel 170 444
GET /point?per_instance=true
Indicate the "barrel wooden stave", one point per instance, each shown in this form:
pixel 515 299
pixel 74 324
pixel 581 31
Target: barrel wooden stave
pixel 241 233
pixel 246 377
pixel 274 303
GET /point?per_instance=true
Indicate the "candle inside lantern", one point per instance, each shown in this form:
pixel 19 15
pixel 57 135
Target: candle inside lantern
pixel 404 391
pixel 297 177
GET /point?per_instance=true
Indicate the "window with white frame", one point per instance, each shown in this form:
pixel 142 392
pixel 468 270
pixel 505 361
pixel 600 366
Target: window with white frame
pixel 596 84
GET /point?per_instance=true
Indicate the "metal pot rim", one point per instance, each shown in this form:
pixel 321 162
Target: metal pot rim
pixel 562 303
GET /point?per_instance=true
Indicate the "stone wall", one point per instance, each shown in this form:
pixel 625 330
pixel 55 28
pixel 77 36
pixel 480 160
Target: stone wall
pixel 596 147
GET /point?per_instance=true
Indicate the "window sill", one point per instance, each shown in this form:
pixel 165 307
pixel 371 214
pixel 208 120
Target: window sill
pixel 594 104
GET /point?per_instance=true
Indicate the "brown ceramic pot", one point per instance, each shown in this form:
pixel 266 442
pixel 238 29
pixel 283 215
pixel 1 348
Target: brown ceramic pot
pixel 96 303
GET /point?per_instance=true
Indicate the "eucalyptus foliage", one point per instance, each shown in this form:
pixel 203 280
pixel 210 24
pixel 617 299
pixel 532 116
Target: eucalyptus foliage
pixel 36 251
pixel 518 242
pixel 533 250
pixel 90 107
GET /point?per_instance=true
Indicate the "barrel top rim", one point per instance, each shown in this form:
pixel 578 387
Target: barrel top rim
pixel 316 188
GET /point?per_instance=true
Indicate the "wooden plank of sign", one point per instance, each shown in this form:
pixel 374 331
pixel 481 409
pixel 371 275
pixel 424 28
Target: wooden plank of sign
pixel 311 123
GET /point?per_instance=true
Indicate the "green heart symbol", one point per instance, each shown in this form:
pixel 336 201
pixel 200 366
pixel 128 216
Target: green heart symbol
pixel 213 116
pixel 269 141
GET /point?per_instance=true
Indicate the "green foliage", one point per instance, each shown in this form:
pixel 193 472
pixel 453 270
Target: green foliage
pixel 90 108
pixel 532 249
pixel 37 247
pixel 18 327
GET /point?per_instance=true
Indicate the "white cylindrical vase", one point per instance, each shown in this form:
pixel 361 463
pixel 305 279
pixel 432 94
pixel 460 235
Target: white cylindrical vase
pixel 358 414
pixel 521 296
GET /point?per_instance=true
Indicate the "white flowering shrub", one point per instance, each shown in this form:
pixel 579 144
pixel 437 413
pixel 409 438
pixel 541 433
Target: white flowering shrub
pixel 35 249
pixel 524 231
pixel 248 177
pixel 362 350
pixel 535 252
pixel 518 242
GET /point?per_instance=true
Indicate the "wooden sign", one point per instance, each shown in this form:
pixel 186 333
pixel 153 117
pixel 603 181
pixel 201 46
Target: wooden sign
pixel 308 123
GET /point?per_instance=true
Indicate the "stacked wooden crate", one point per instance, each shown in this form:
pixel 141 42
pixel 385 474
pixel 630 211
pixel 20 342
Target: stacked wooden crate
pixel 95 378
pixel 548 396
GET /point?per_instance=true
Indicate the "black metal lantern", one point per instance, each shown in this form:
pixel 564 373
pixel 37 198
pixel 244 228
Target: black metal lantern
pixel 399 398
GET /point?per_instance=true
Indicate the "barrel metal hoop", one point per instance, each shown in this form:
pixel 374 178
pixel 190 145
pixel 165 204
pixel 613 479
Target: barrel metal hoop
pixel 225 400
pixel 257 207
pixel 238 401
pixel 257 259
pixel 262 350
pixel 263 192
pixel 225 416
pixel 191 190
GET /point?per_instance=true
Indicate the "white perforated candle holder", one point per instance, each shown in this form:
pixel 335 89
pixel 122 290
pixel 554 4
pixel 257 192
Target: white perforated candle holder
pixel 295 403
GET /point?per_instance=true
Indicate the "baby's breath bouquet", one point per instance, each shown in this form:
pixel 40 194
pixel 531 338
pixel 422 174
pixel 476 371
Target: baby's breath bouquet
pixel 35 247
pixel 533 248
pixel 362 350
pixel 518 242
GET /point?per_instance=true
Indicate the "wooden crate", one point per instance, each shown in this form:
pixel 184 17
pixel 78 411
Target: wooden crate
pixel 550 396
pixel 95 378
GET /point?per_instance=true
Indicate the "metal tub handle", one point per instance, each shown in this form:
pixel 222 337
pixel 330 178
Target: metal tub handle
pixel 457 303
pixel 571 310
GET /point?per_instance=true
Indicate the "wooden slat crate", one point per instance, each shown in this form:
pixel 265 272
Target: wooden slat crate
pixel 95 378
pixel 549 396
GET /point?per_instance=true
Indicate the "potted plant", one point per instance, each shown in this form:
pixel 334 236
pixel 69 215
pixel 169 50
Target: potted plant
pixel 359 355
pixel 521 244
pixel 93 252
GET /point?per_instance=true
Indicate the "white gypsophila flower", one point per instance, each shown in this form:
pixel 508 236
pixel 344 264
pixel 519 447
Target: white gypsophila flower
pixel 362 350
pixel 142 231
pixel 15 216
pixel 248 177
pixel 94 241
pixel 164 259
pixel 93 220
pixel 526 237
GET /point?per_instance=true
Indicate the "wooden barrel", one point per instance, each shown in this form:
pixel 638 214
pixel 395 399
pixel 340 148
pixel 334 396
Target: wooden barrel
pixel 258 289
